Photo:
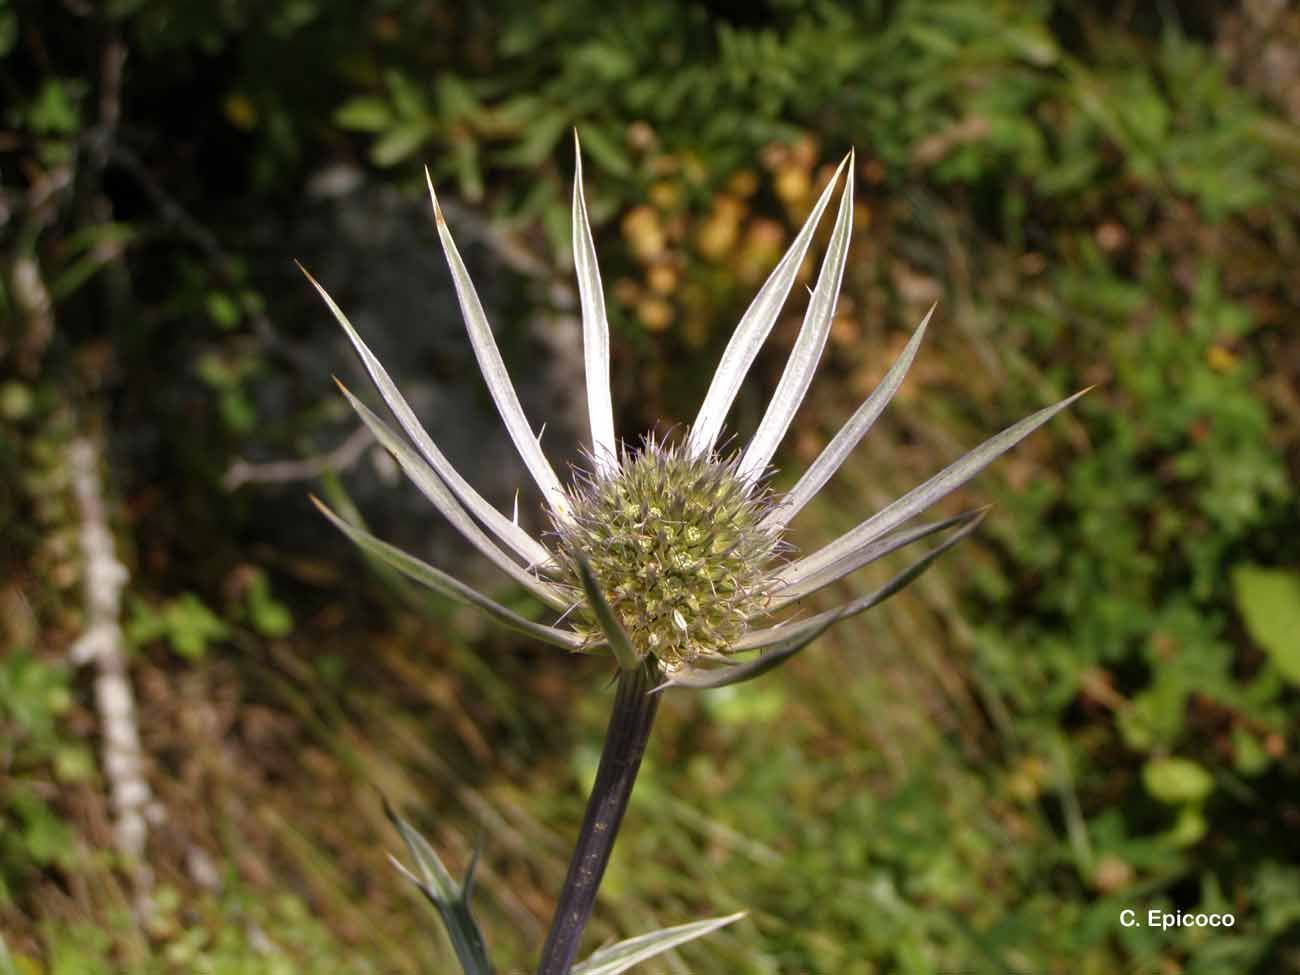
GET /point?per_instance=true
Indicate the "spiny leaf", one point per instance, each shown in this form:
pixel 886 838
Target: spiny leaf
pixel 622 956
pixel 450 900
pixel 449 586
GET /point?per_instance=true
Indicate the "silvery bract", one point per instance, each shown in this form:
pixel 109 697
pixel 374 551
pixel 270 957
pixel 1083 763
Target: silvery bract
pixel 673 552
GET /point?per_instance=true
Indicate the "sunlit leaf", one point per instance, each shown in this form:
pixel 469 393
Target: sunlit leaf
pixel 1269 603
pixel 622 956
pixel 1176 780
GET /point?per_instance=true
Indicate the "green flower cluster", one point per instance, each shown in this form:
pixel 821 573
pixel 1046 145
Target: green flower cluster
pixel 678 547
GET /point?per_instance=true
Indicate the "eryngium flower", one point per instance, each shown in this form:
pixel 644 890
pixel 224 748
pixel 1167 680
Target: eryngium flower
pixel 679 548
pixel 673 551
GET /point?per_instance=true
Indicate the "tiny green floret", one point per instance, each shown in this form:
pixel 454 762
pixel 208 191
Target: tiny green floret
pixel 678 546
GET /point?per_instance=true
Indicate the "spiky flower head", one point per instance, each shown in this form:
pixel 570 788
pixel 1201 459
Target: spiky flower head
pixel 679 546
pixel 674 552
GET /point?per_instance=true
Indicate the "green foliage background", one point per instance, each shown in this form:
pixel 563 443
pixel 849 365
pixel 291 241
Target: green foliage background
pixel 1092 707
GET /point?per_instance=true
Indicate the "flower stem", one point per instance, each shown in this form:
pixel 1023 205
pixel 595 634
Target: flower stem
pixel 625 742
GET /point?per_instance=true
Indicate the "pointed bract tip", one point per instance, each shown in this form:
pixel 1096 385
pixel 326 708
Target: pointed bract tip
pixel 1073 397
pixel 925 321
pixel 400 867
pixel 467 885
pixel 577 163
pixel 433 198
pixel 307 275
pixel 846 161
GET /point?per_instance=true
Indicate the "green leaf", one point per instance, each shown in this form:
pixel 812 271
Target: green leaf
pixel 606 150
pixel 268 616
pixel 1249 755
pixel 45 838
pixel 449 898
pixel 408 98
pixel 543 132
pixel 1175 780
pixel 237 410
pixel 398 143
pixel 469 175
pixel 8 31
pixel 456 100
pixel 364 114
pixel 1269 603
pixel 622 956
pixel 55 110
pixel 223 309
pixel 186 624
pixel 1189 828
pixel 191 626
pixel 74 763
